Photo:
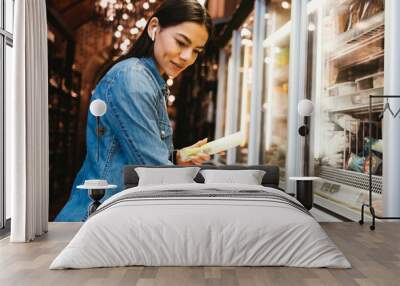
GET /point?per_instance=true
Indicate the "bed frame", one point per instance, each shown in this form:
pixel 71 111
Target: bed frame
pixel 270 179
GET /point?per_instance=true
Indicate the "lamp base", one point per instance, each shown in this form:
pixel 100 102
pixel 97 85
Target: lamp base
pixel 96 191
pixel 96 195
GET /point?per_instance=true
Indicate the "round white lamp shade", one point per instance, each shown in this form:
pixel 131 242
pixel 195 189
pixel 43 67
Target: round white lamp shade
pixel 98 107
pixel 305 107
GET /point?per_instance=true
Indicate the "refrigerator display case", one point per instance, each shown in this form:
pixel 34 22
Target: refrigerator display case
pixel 275 86
pixel 346 51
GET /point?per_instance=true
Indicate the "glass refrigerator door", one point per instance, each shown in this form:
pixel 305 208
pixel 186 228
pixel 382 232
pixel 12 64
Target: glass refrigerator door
pixel 346 38
pixel 246 72
pixel 221 158
pixel 9 15
pixel 275 85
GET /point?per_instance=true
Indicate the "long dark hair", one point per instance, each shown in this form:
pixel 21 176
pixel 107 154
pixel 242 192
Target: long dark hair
pixel 169 13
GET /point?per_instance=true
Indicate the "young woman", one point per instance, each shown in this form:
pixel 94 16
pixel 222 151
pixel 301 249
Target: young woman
pixel 136 125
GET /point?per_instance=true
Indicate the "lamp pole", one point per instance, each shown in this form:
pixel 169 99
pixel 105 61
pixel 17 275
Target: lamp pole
pixel 306 147
pixel 305 108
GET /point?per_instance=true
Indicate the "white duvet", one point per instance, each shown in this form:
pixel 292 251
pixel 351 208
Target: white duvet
pixel 200 231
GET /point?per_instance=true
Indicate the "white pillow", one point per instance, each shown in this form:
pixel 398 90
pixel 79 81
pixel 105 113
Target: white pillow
pixel 165 176
pixel 248 177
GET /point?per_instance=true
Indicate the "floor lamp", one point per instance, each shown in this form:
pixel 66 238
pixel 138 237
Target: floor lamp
pixel 97 187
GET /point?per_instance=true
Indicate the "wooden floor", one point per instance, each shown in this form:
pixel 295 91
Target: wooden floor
pixel 374 255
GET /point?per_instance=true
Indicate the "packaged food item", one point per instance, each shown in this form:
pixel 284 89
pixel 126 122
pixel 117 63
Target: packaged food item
pixel 363 97
pixel 376 145
pixel 364 83
pixel 342 88
pixel 378 80
pixel 333 154
pixel 360 10
pixel 353 14
pixel 282 58
pixel 347 122
pixel 356 163
pixel 333 160
pixel 371 7
pixel 376 164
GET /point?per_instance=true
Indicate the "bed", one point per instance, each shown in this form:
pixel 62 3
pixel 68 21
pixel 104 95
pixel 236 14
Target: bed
pixel 201 224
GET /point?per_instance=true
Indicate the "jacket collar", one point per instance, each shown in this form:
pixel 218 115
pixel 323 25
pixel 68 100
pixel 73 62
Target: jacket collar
pixel 151 65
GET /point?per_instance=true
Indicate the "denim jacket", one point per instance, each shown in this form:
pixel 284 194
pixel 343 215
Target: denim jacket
pixel 136 130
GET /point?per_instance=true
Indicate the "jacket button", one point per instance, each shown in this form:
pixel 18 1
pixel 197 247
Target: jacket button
pixel 162 134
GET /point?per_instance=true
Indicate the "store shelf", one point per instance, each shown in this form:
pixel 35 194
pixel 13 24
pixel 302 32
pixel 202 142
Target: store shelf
pixel 362 32
pixel 377 107
pixel 361 44
pixel 357 58
pixel 354 102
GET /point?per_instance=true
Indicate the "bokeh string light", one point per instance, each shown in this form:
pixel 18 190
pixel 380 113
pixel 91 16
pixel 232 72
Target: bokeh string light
pixel 127 18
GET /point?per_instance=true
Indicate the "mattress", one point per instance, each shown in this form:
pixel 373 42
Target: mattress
pixel 201 225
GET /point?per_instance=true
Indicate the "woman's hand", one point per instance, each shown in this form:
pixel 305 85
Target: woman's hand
pixel 197 159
